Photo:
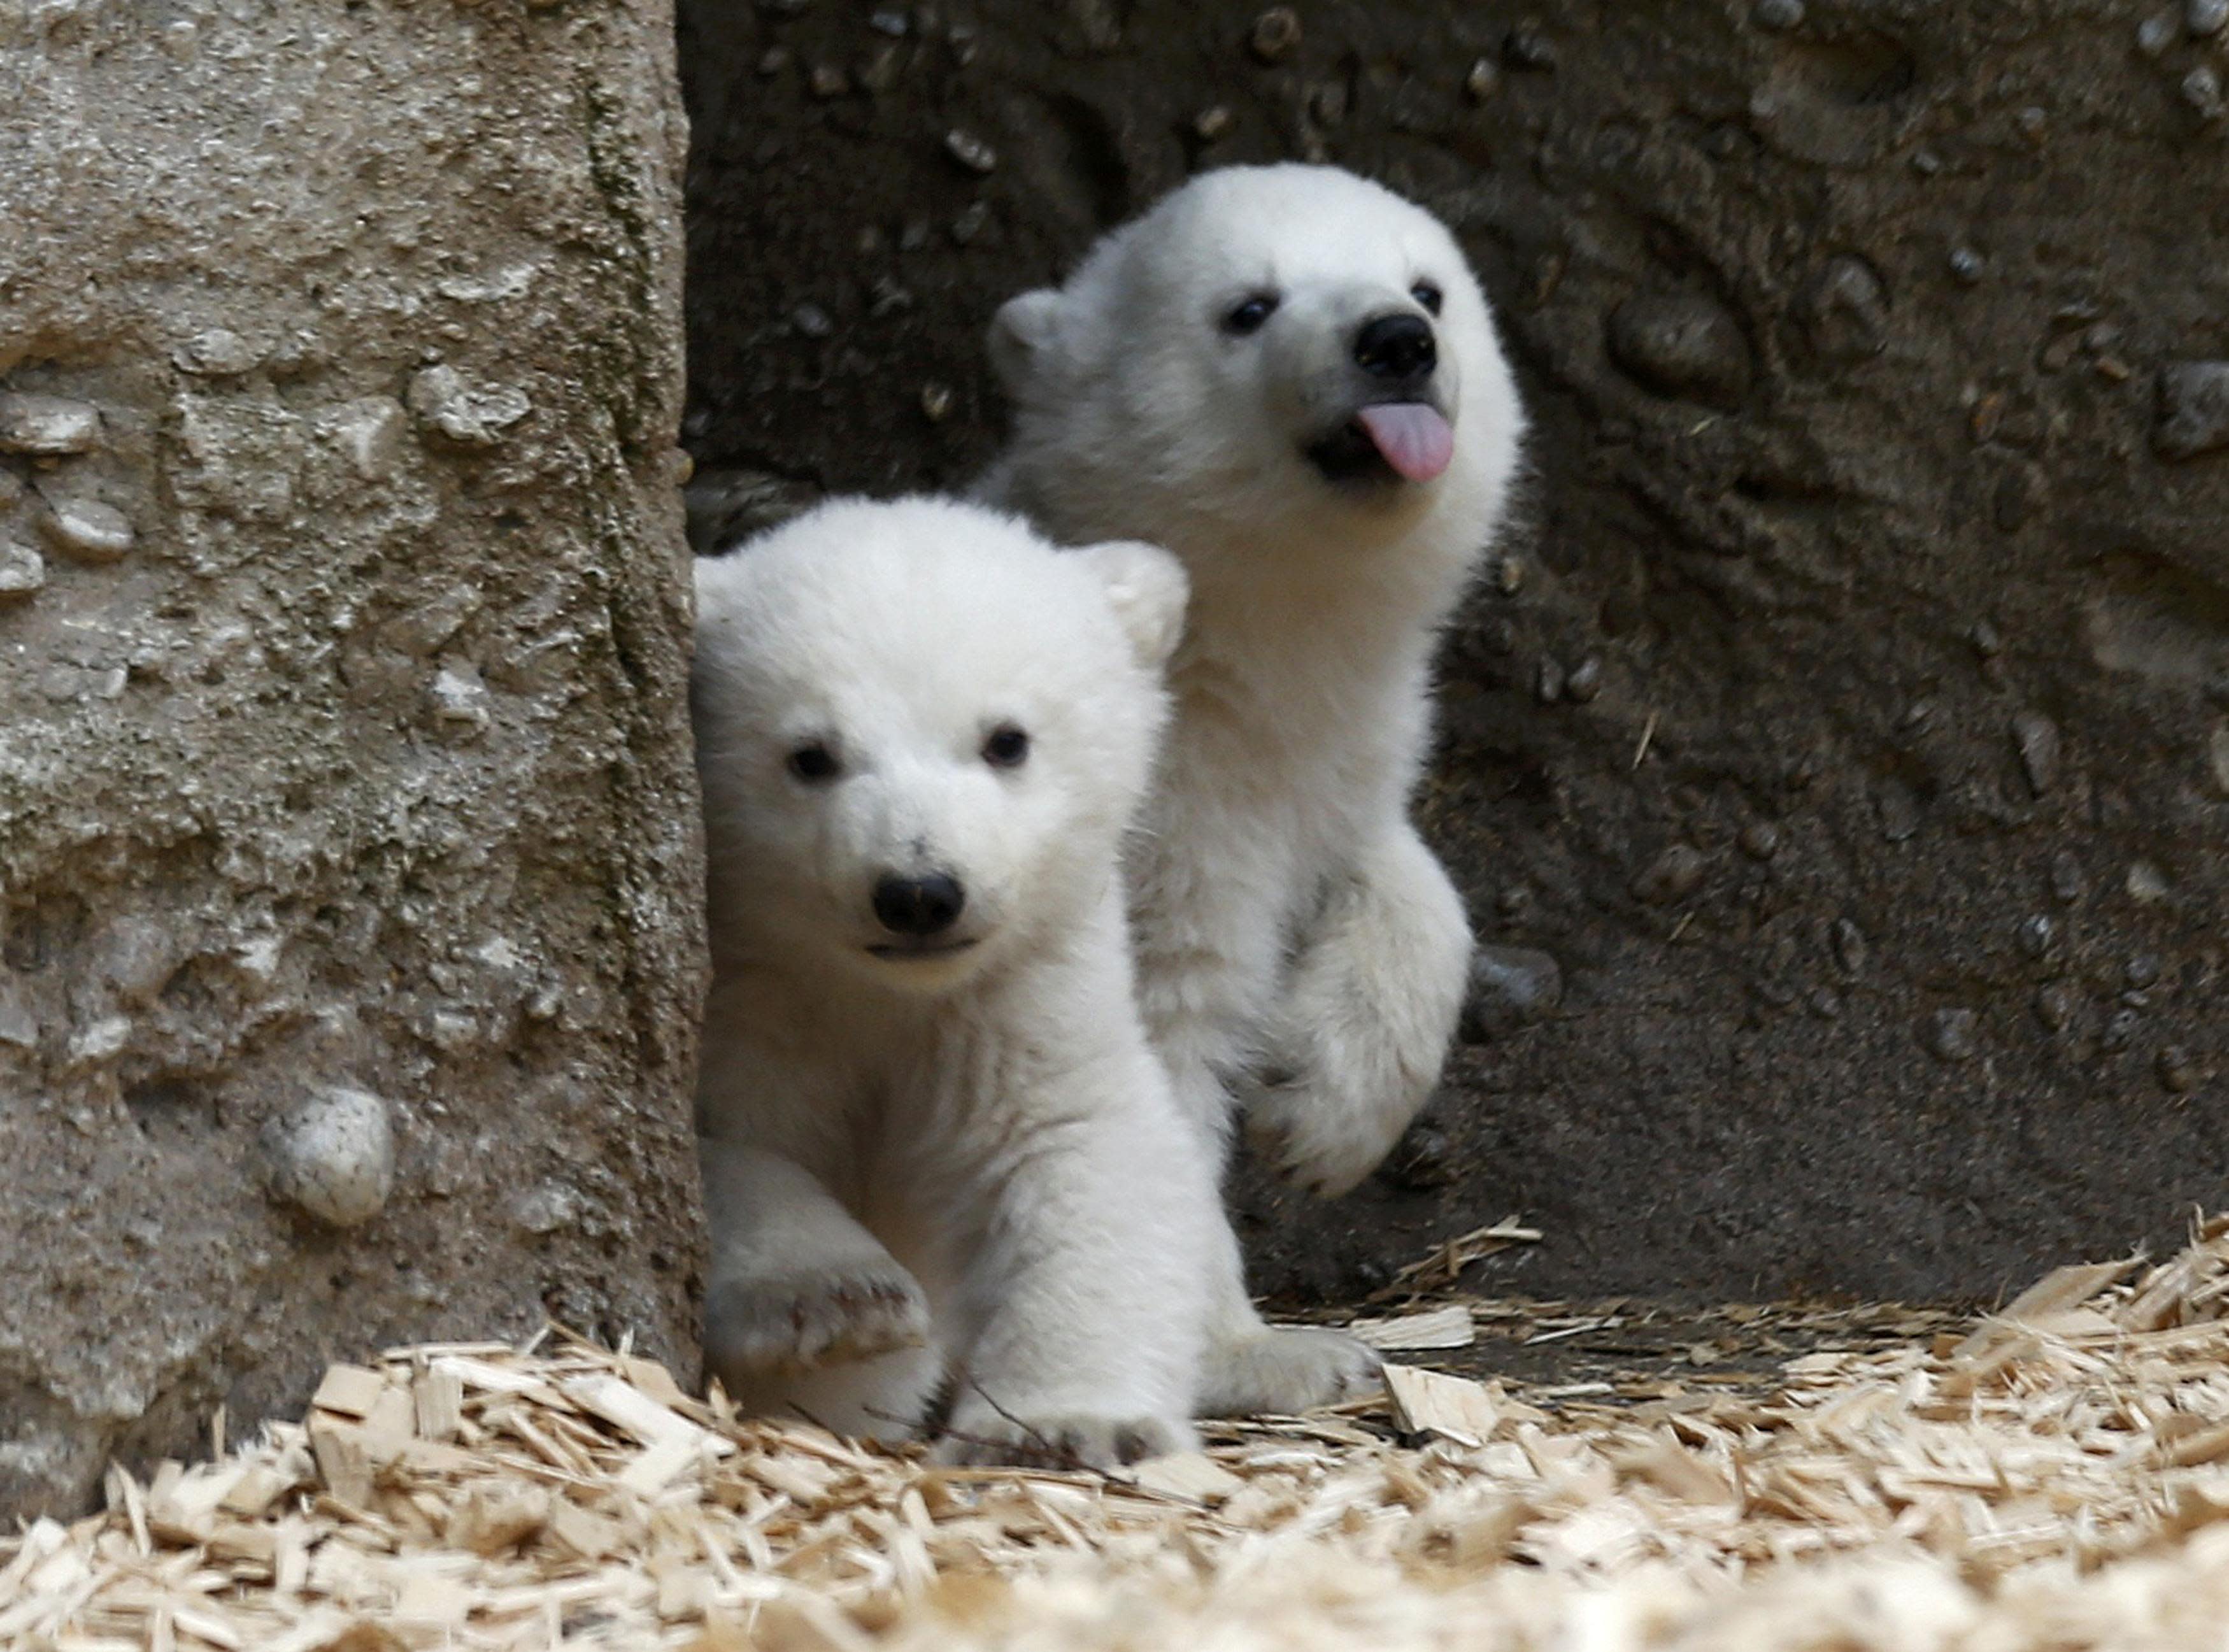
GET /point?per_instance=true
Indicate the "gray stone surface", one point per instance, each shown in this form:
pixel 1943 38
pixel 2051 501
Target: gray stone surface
pixel 1850 723
pixel 348 923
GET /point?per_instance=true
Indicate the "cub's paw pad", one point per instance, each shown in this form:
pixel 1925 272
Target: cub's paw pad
pixel 799 1322
pixel 1287 1369
pixel 1062 1440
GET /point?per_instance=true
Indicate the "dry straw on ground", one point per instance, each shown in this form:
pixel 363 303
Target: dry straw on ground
pixel 2056 1478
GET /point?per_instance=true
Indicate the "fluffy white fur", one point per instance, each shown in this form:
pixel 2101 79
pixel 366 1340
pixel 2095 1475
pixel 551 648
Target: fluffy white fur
pixel 1296 941
pixel 948 1158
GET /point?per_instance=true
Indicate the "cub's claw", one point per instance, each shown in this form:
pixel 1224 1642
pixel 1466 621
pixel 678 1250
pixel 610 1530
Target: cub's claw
pixel 1062 1441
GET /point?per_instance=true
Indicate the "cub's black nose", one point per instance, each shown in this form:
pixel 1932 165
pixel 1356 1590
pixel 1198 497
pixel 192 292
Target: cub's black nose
pixel 1397 347
pixel 918 906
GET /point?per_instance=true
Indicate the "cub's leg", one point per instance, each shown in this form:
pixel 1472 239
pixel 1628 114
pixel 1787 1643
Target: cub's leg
pixel 1196 979
pixel 1250 1366
pixel 805 1311
pixel 1087 1296
pixel 1358 1040
pixel 1253 1366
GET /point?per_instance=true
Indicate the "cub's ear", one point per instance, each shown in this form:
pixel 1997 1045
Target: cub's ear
pixel 1026 339
pixel 1148 590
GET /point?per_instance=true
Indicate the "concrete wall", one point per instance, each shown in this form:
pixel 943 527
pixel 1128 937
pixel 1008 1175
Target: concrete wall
pixel 349 911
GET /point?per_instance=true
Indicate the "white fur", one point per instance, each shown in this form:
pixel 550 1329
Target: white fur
pixel 1297 939
pixel 965 1168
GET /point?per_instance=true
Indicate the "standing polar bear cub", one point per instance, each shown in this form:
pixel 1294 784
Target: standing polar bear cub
pixel 938 1150
pixel 1288 376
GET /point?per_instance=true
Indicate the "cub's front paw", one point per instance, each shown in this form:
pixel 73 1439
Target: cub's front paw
pixel 794 1322
pixel 977 1434
pixel 1285 1369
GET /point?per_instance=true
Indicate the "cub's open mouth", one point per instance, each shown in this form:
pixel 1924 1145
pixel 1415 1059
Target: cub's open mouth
pixel 920 948
pixel 1386 441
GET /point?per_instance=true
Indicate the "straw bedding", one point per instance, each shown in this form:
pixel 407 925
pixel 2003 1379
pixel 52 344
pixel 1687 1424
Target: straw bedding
pixel 2053 1475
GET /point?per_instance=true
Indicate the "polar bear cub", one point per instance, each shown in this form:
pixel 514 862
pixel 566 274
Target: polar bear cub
pixel 939 1153
pixel 1288 376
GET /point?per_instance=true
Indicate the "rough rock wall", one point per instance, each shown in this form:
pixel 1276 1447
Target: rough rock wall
pixel 348 923
pixel 1837 765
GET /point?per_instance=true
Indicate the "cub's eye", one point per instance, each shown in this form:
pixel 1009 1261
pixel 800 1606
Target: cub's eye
pixel 1249 316
pixel 1429 295
pixel 1006 747
pixel 813 763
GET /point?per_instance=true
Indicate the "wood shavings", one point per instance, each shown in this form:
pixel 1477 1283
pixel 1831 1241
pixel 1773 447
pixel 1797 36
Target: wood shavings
pixel 2056 1474
pixel 1191 1474
pixel 1431 1402
pixel 437 1399
pixel 1447 1327
pixel 350 1391
pixel 1442 1266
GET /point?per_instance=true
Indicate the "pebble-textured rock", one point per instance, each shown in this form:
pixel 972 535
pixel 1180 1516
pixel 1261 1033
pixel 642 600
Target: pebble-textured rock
pixel 349 885
pixel 22 572
pixel 1843 311
pixel 332 1155
pixel 1681 346
pixel 1910 623
pixel 2193 409
pixel 87 529
pixel 1511 987
pixel 47 427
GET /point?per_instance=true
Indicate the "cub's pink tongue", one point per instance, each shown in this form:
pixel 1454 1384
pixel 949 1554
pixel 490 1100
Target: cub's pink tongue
pixel 1413 437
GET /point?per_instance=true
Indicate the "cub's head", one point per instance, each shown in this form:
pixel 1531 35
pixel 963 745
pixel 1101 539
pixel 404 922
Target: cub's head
pixel 1291 347
pixel 922 732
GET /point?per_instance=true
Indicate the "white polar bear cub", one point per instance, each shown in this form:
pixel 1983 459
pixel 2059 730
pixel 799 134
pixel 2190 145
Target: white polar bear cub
pixel 1288 376
pixel 937 1147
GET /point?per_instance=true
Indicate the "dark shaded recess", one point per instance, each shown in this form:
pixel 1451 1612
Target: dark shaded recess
pixel 1910 448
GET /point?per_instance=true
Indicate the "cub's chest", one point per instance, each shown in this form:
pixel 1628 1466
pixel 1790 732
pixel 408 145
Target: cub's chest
pixel 1295 737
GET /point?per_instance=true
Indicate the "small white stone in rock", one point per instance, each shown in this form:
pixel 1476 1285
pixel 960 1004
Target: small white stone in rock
pixel 970 151
pixel 458 696
pixel 369 434
pixel 453 1030
pixel 87 529
pixel 22 571
pixel 333 1155
pixel 218 353
pixel 98 1040
pixel 2201 90
pixel 47 427
pixel 258 959
pixel 547 1208
pixel 472 415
